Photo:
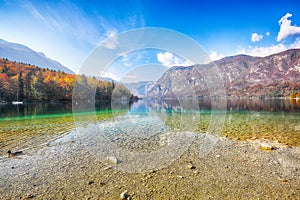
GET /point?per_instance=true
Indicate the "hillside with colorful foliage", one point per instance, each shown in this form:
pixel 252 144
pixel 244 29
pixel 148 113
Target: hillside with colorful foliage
pixel 25 82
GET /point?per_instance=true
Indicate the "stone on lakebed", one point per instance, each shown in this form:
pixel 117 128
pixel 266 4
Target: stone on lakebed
pixel 113 160
pixel 124 195
pixel 267 147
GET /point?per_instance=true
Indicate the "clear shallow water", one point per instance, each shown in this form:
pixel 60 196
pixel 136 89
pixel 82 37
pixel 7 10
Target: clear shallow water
pixel 251 119
pixel 29 125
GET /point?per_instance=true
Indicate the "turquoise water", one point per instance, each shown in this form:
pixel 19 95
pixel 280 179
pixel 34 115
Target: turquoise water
pixel 275 120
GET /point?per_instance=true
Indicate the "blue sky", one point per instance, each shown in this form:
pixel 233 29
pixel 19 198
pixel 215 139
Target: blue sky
pixel 68 31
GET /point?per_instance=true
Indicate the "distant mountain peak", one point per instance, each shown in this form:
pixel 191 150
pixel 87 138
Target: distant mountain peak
pixel 22 53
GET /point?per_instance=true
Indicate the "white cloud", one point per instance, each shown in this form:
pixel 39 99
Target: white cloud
pixel 111 33
pixel 126 61
pixel 295 45
pixel 215 56
pixel 256 37
pixel 268 50
pixel 108 39
pixel 169 60
pixel 262 51
pixel 286 29
pixel 111 75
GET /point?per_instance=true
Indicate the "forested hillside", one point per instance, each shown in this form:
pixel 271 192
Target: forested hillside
pixel 24 82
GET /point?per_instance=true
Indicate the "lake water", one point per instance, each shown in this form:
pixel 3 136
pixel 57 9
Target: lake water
pixel 163 145
pixel 29 125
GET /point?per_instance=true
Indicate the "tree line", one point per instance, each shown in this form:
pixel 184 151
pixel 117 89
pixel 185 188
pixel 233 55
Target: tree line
pixel 25 82
pixel 295 95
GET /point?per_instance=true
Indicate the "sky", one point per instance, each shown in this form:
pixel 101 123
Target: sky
pixel 68 31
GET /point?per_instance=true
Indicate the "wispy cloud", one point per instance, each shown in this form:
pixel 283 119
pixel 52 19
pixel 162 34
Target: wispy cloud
pixel 135 21
pixel 72 21
pixel 256 37
pixel 109 39
pixel 126 61
pixel 33 10
pixel 106 27
pixel 168 59
pixel 109 28
pixel 286 29
pixel 134 59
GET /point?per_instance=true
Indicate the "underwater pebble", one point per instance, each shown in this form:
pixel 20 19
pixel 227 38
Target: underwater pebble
pixel 124 195
pixel 191 166
pixel 112 160
pixel 266 147
pixel 282 180
pixel 107 168
pixel 29 196
pixel 91 182
pixel 101 183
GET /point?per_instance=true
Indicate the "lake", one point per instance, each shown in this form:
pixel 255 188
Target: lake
pixel 272 119
pixel 151 148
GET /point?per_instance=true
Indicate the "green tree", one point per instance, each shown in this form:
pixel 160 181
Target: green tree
pixel 27 86
pixel 52 91
pixel 39 86
pixel 20 89
pixel 5 69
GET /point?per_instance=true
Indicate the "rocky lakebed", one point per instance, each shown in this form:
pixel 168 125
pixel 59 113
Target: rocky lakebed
pixel 165 165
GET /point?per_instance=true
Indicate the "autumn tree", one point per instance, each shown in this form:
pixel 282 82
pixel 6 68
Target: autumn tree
pixel 3 86
pixel 19 81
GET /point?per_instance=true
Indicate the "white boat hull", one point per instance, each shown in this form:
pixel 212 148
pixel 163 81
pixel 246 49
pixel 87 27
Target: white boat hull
pixel 17 102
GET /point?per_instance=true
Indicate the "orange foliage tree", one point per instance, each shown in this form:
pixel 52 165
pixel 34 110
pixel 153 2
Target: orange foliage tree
pixel 26 82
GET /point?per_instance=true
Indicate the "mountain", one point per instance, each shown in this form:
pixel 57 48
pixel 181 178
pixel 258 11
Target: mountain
pixel 21 53
pixel 276 75
pixel 107 79
pixel 140 88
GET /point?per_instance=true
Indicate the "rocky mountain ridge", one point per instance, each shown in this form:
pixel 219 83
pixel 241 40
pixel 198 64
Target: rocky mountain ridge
pixel 276 75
